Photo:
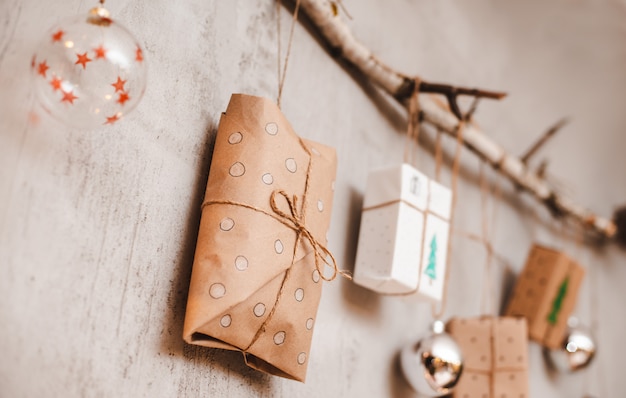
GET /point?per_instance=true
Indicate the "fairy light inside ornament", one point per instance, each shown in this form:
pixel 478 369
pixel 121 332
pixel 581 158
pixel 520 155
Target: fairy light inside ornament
pixel 89 71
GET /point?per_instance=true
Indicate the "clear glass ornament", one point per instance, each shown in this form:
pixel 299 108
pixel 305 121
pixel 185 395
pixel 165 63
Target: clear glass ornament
pixel 89 71
pixel 577 349
pixel 433 365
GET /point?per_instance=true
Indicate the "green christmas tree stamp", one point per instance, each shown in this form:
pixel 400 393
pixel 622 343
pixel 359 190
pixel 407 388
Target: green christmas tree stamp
pixel 431 270
pixel 558 302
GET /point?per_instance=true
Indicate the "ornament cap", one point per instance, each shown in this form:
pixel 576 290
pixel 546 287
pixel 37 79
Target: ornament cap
pixel 438 326
pixel 573 322
pixel 99 16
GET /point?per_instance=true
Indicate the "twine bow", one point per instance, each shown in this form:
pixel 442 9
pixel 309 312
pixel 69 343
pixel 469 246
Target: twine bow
pixel 296 221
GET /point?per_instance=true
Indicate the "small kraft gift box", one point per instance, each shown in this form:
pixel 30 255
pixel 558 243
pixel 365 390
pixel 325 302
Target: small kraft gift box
pixel 403 238
pixel 495 351
pixel 545 294
pixel 260 256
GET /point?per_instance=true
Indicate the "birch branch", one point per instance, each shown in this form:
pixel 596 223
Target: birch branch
pixel 543 139
pixel 345 45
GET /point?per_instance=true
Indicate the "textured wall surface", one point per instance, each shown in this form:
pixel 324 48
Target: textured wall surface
pixel 98 228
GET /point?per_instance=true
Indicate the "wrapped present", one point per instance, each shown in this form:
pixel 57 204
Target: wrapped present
pixel 495 351
pixel 545 294
pixel 255 284
pixel 403 240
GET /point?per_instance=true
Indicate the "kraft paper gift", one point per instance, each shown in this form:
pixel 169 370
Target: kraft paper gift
pixel 545 294
pixel 495 351
pixel 258 267
pixel 403 238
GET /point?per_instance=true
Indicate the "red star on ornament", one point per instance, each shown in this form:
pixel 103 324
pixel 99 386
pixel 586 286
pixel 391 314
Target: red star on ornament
pixel 57 36
pixel 82 60
pixel 138 55
pixel 100 51
pixel 112 119
pixel 56 83
pixel 119 85
pixel 123 98
pixel 42 68
pixel 68 96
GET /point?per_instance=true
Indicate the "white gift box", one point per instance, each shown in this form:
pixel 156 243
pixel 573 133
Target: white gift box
pixel 403 241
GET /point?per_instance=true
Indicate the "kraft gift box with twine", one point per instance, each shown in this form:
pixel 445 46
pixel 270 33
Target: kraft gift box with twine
pixel 261 250
pixel 545 294
pixel 495 349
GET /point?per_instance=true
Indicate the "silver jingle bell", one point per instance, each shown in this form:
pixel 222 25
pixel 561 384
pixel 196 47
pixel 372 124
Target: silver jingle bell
pixel 577 349
pixel 434 364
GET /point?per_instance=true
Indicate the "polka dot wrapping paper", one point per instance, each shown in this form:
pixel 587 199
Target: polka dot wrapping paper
pixel 255 286
pixel 495 353
pixel 545 294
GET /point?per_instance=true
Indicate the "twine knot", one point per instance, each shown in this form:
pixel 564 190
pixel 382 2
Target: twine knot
pixel 296 221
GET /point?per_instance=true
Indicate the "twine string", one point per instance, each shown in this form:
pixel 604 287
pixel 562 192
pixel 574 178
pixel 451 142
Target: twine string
pixel 279 52
pixel 581 253
pixel 412 137
pixel 488 293
pixel 594 307
pixel 412 142
pixel 484 192
pixel 263 326
pixel 456 163
pixel 413 125
pixel 339 4
pixel 321 252
pixel 295 222
pixel 282 74
pixel 438 155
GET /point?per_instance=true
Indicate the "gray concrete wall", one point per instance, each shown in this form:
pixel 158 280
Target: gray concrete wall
pixel 97 228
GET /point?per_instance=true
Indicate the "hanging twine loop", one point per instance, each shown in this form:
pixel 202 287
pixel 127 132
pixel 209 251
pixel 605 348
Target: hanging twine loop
pixel 456 166
pixel 282 72
pixel 412 137
pixel 438 155
pixel 413 126
pixel 487 299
